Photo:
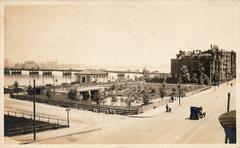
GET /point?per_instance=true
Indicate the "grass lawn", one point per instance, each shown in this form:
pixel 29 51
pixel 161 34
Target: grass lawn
pixel 133 86
pixel 122 90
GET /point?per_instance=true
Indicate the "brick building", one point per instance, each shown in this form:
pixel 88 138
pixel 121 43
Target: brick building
pixel 215 64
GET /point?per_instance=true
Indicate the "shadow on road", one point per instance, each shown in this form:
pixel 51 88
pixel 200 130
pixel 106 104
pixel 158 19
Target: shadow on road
pixel 83 132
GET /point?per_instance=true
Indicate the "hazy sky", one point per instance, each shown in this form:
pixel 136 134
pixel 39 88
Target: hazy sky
pixel 117 33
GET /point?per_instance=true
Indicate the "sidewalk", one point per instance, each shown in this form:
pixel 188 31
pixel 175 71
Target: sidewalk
pixel 156 111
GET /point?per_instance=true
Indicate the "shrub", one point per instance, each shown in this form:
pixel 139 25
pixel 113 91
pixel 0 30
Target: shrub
pixel 113 87
pixel 72 94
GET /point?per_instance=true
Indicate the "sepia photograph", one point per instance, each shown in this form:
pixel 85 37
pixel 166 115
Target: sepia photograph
pixel 120 72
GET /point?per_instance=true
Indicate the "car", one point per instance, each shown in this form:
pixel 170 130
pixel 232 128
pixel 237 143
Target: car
pixel 196 113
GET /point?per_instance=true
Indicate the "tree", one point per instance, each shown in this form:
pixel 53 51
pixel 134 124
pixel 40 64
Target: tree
pixel 206 79
pixel 125 85
pixel 120 87
pixel 134 88
pixel 174 91
pixel 162 92
pixel 185 76
pixel 99 96
pixel 152 90
pixel 48 94
pixel 144 72
pixel 200 73
pixel 113 87
pixel 135 78
pixel 145 88
pixel 164 82
pixel 114 98
pixel 15 86
pixel 72 94
pixel 139 87
pixel 194 78
pixel 146 98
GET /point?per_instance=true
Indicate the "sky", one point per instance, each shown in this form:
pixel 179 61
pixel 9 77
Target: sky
pixel 112 34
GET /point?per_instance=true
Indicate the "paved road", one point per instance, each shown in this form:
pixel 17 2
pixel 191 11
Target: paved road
pixel 161 128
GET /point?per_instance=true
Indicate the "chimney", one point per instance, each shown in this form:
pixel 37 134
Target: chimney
pixel 211 46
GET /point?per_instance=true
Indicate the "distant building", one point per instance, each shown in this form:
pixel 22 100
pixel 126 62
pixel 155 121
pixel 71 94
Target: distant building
pixel 29 64
pixel 51 64
pixel 217 64
pixel 91 76
pixel 121 76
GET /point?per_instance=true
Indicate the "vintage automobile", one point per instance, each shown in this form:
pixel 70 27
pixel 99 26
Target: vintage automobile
pixel 196 113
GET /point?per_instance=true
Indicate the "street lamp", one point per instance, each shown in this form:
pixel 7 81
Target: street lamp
pixel 34 111
pixel 179 89
pixel 54 83
pixel 67 109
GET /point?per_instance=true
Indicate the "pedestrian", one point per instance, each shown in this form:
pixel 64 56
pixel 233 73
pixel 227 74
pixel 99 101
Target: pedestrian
pixel 172 98
pixel 167 108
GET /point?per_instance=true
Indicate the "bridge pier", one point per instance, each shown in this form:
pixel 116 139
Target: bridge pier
pixel 7 72
pixel 67 73
pixel 16 72
pixel 47 73
pixel 121 76
pixel 33 72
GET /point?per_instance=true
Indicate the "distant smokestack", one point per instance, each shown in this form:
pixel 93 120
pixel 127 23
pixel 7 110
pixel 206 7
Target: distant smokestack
pixel 211 46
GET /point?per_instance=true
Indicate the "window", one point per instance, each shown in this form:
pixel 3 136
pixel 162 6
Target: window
pixel 83 80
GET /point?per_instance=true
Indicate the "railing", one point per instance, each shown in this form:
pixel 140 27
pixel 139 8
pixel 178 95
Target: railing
pixel 44 123
pixel 42 118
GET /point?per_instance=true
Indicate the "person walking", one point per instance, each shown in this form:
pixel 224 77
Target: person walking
pixel 167 108
pixel 172 98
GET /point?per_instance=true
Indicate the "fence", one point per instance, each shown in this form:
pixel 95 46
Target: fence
pixel 84 106
pixel 43 123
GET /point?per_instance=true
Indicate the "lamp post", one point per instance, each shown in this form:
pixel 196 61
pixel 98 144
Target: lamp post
pixel 34 112
pixel 179 89
pixel 54 85
pixel 67 109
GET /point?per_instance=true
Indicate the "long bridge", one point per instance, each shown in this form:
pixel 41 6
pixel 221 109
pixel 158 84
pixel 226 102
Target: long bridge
pixel 68 72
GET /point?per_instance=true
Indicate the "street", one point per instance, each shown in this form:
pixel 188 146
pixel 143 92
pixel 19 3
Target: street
pixel 153 127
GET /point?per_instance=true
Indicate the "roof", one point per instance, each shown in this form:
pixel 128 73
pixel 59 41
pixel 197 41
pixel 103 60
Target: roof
pixel 91 72
pixel 228 119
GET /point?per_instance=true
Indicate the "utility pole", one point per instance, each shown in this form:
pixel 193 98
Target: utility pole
pixel 53 84
pixel 228 103
pixel 34 111
pixel 228 108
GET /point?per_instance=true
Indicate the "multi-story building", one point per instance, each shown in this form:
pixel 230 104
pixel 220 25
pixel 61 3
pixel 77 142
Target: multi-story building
pixel 216 64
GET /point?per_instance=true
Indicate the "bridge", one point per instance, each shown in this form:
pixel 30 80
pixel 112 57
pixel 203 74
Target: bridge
pixel 36 71
pixel 68 72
